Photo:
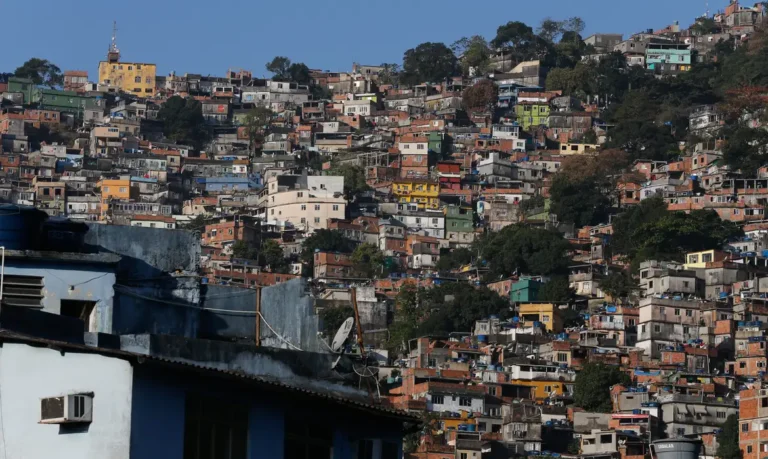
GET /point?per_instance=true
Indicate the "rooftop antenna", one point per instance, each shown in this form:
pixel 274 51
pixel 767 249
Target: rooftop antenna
pixel 114 54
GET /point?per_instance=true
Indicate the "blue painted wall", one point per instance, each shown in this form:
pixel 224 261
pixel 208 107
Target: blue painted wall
pixel 71 281
pixel 157 422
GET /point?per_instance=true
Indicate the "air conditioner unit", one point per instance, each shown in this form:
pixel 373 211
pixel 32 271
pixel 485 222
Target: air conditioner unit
pixel 66 409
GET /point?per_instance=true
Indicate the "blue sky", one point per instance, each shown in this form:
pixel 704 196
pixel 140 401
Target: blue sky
pixel 207 37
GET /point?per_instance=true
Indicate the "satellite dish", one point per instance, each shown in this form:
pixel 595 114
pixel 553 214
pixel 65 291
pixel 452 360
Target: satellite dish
pixel 342 334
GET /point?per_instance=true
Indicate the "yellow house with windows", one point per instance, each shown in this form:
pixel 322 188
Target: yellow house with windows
pixel 422 193
pixel 695 260
pixel 137 78
pixel 542 389
pixel 131 77
pixel 113 189
pixel 546 313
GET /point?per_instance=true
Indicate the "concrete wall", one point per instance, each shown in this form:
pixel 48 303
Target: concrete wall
pixel 28 374
pixel 164 306
pixel 147 252
pixel 73 281
pixel 290 311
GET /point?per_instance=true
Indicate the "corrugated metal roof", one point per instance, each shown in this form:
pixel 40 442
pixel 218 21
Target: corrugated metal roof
pixel 141 359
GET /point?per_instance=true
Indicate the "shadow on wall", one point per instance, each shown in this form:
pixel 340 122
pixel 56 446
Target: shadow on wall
pixel 157 288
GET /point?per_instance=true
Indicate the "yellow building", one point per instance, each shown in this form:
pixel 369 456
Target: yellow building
pixel 542 389
pixel 547 313
pixel 700 259
pixel 113 189
pixel 421 192
pixel 132 77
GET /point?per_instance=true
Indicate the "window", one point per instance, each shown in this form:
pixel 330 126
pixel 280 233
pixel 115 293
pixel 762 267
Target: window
pixel 303 207
pixel 438 399
pixel 123 189
pixel 562 357
pixel 300 194
pixel 721 415
pixel 434 221
pixel 742 364
pixel 548 389
pixel 688 313
pixel 305 440
pixel 335 207
pixel 317 207
pixel 657 328
pixel 607 438
pixel 463 455
pixel 650 285
pixel 465 401
pixel 137 79
pixel 214 429
pixel 317 220
pixel 749 448
pixel 677 312
pixel 545 318
pixel 706 258
pixel 148 80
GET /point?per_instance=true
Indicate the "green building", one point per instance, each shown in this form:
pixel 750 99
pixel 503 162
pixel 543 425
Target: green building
pixel 532 114
pixel 459 224
pixel 23 86
pixel 525 291
pixel 437 142
pixel 68 101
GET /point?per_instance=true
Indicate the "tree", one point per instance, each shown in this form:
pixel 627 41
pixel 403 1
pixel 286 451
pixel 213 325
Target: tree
pixel 524 250
pixel 557 290
pixel 367 261
pixel 242 249
pixel 299 73
pixel 333 317
pixel 580 80
pixel 637 131
pixel 454 259
pixel 183 121
pixel 728 439
pixel 746 149
pixel 618 284
pixel 474 54
pixel 428 62
pixel 41 72
pixel 390 74
pixel 519 42
pixel 677 233
pixel 354 179
pixel 624 241
pixel 593 384
pixel 272 255
pixel 279 66
pixel 408 316
pixel 256 123
pixel 324 240
pixel 482 94
pixel 581 202
pixel 197 224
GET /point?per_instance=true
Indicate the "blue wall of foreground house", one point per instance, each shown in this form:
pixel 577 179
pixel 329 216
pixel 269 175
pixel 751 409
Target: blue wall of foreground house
pixel 71 281
pixel 157 422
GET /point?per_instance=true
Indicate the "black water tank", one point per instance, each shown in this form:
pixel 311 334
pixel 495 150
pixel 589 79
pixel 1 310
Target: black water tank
pixel 63 235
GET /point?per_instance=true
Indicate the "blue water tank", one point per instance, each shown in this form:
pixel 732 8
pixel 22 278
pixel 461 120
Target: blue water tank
pixel 20 226
pixel 471 428
pixel 482 338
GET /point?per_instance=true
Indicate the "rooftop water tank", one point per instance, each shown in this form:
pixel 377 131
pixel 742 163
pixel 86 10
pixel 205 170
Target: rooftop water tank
pixel 20 226
pixel 677 448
